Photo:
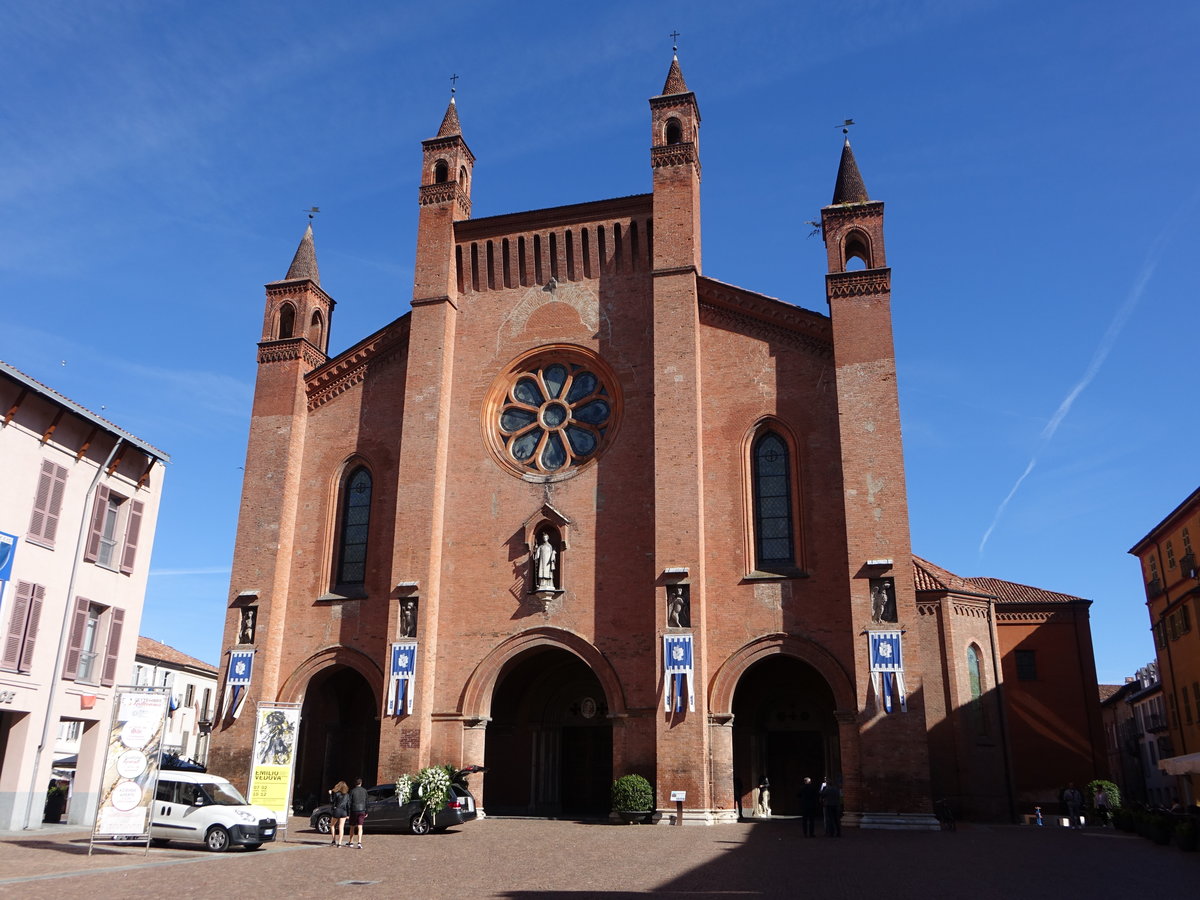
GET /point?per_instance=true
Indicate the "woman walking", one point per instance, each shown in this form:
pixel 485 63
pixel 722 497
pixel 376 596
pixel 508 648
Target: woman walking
pixel 338 812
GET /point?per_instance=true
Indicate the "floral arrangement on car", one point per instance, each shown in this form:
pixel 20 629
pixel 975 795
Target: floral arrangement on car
pixel 431 785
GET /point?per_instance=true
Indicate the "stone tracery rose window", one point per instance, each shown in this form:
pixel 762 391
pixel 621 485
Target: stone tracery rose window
pixel 552 413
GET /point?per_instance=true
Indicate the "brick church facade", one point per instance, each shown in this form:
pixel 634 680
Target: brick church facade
pixel 575 458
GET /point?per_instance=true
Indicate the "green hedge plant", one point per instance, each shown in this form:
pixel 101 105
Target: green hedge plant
pixel 632 793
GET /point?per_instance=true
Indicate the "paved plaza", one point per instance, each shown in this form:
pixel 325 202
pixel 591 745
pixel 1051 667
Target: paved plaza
pixel 525 858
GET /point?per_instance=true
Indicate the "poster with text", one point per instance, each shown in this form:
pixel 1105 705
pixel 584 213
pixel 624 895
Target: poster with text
pixel 275 736
pixel 131 765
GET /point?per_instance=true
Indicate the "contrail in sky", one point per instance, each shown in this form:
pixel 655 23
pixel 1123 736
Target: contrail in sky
pixel 1106 344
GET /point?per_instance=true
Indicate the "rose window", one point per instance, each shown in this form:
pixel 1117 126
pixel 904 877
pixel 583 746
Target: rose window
pixel 554 416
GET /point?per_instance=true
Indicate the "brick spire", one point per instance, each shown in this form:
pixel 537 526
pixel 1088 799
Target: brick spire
pixel 304 263
pixel 675 83
pixel 450 126
pixel 849 187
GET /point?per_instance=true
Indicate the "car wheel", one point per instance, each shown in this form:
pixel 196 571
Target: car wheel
pixel 323 823
pixel 252 846
pixel 217 839
pixel 420 824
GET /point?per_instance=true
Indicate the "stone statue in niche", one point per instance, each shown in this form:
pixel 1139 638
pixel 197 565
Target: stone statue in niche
pixel 679 614
pixel 545 562
pixel 246 628
pixel 408 618
pixel 883 600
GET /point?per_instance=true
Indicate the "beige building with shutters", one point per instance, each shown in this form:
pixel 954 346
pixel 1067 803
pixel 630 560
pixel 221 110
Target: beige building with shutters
pixel 78 504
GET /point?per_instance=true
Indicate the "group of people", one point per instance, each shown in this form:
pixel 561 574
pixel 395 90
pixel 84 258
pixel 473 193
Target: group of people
pixel 1072 798
pixel 347 803
pixel 827 798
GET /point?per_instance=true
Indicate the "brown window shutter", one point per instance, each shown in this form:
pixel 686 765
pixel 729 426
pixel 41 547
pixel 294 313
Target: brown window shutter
pixel 132 529
pixel 99 506
pixel 31 628
pixel 57 490
pixel 108 678
pixel 78 624
pixel 41 503
pixel 16 626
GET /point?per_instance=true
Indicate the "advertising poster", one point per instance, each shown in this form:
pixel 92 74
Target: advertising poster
pixel 8 549
pixel 275 735
pixel 131 765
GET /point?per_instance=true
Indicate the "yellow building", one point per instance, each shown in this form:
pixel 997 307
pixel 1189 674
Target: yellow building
pixel 1172 580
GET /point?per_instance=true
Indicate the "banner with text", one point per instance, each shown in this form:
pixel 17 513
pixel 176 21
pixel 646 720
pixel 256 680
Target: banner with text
pixel 275 734
pixel 131 765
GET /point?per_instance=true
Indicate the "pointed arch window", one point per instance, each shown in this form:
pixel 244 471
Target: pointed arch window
pixel 975 684
pixel 355 524
pixel 774 529
pixel 287 320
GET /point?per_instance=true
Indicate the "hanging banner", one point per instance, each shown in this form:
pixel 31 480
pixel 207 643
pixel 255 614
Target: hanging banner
pixel 131 766
pixel 677 666
pixel 8 549
pixel 237 682
pixel 887 669
pixel 400 688
pixel 274 762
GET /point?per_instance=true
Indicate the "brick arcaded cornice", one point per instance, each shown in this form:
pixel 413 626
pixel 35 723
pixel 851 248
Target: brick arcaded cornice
pixel 858 284
pixel 449 142
pixel 973 609
pixel 290 348
pixel 871 209
pixel 1035 616
pixel 675 155
pixel 290 287
pixel 444 193
pixel 351 367
pixel 749 313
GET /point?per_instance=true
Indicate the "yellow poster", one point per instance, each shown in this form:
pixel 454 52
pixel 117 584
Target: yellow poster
pixel 276 731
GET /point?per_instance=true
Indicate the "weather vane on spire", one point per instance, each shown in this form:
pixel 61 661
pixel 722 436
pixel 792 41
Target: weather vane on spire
pixel 312 212
pixel 674 41
pixel 453 79
pixel 845 126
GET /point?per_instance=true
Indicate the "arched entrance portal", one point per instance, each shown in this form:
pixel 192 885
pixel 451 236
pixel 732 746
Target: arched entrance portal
pixel 784 729
pixel 339 733
pixel 549 744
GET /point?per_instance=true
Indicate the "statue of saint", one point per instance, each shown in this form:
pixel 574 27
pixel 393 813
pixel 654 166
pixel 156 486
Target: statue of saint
pixel 246 629
pixel 545 561
pixel 408 618
pixel 677 609
pixel 883 600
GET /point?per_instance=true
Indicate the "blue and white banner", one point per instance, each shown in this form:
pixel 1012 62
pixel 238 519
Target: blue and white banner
pixel 400 688
pixel 8 549
pixel 237 682
pixel 887 669
pixel 677 667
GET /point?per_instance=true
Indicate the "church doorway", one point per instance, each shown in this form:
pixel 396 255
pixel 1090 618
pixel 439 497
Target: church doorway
pixel 783 730
pixel 339 734
pixel 549 744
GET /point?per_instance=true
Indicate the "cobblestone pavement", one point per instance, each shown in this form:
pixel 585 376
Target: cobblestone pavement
pixel 525 858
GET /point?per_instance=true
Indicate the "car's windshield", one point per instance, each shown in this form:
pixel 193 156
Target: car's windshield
pixel 224 794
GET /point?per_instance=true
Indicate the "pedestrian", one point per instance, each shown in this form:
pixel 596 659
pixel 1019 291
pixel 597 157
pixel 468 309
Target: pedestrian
pixel 358 813
pixel 1100 801
pixel 1074 801
pixel 831 804
pixel 338 811
pixel 809 803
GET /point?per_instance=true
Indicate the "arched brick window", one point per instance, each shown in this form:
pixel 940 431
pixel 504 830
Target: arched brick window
pixel 287 320
pixel 975 683
pixel 354 525
pixel 771 487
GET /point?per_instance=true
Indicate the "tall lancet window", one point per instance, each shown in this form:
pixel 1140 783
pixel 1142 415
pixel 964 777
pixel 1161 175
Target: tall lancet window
pixel 774 543
pixel 355 524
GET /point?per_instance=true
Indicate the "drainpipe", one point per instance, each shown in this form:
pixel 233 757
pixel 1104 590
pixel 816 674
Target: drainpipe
pixel 63 633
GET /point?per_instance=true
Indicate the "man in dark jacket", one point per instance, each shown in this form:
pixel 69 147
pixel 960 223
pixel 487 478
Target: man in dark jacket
pixel 358 812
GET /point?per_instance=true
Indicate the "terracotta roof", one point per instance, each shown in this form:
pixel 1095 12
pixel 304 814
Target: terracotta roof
pixel 849 187
pixel 149 648
pixel 1108 691
pixel 450 125
pixel 1011 592
pixel 304 263
pixel 675 83
pixel 928 577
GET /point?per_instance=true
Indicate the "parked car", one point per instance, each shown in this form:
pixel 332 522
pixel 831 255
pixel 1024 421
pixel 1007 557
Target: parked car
pixel 206 809
pixel 385 813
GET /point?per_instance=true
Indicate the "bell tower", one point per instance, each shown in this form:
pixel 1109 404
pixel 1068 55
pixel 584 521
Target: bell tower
pixel 880 784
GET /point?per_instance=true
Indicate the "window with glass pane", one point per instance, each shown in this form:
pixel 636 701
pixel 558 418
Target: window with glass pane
pixel 975 682
pixel 356 520
pixel 772 503
pixel 106 553
pixel 88 670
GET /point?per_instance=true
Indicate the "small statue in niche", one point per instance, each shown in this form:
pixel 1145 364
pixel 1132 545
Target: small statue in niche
pixel 883 600
pixel 678 608
pixel 246 628
pixel 545 561
pixel 408 618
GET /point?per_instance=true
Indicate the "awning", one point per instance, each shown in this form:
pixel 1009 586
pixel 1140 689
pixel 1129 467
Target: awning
pixel 1181 765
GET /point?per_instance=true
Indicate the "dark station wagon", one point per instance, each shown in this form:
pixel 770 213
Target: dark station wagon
pixel 384 812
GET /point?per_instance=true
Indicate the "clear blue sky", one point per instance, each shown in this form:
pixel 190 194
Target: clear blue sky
pixel 1038 161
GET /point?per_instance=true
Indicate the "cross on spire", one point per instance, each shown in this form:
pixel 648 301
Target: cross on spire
pixel 453 79
pixel 674 41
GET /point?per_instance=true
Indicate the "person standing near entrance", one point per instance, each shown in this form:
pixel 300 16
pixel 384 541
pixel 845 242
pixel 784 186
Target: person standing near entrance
pixel 831 804
pixel 358 812
pixel 809 801
pixel 338 812
pixel 1074 801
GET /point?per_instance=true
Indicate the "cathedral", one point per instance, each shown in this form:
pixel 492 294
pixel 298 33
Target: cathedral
pixel 584 511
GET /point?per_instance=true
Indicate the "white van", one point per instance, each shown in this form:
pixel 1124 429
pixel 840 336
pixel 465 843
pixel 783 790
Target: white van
pixel 207 809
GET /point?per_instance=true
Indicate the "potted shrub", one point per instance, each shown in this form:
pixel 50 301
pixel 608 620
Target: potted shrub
pixel 1185 835
pixel 633 798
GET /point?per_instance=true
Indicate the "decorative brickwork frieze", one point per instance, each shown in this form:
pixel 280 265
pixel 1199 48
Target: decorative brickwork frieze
pixel 444 193
pixel 1036 616
pixel 858 284
pixel 675 155
pixel 973 609
pixel 352 367
pixel 290 348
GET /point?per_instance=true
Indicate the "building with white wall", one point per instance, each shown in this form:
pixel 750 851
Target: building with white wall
pixel 79 501
pixel 193 686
